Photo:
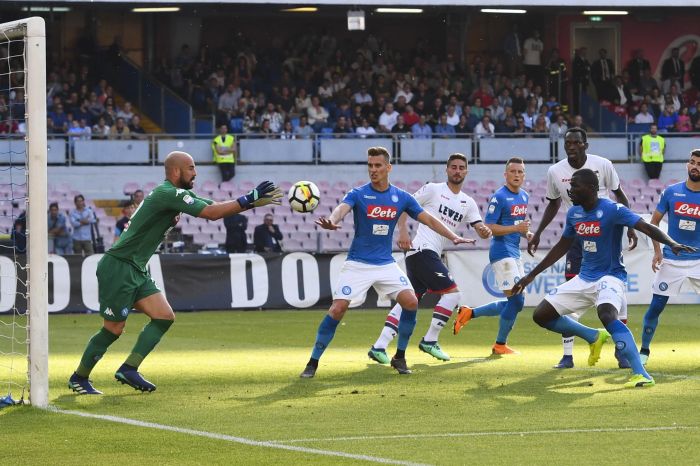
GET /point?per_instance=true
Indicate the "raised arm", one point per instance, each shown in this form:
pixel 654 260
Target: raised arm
pixel 264 194
pixel 333 222
pixel 657 234
pixel 437 226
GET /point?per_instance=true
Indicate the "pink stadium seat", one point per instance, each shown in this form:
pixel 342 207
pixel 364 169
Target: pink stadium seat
pixel 227 186
pixel 414 186
pixel 399 184
pixel 129 188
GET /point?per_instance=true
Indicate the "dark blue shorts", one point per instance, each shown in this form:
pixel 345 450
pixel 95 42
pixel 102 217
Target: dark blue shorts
pixel 427 273
pixel 573 259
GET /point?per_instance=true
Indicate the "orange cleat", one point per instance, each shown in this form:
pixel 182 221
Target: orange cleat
pixel 503 349
pixel 464 315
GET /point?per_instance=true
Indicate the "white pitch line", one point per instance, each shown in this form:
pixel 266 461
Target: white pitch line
pixel 230 438
pixel 487 434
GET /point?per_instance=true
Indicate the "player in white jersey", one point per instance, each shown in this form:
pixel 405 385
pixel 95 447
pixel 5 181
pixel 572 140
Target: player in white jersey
pixel 681 201
pixel 426 272
pixel 558 182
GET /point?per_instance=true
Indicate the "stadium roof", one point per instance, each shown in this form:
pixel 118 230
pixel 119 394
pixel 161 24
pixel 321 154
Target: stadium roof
pixel 606 4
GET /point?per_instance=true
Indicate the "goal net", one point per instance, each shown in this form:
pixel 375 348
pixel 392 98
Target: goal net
pixel 23 214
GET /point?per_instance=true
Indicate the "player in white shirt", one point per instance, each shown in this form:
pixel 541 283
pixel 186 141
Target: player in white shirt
pixel 426 272
pixel 558 183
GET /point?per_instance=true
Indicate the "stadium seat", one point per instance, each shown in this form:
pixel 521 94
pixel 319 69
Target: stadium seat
pixel 236 125
pixel 326 133
pixel 129 188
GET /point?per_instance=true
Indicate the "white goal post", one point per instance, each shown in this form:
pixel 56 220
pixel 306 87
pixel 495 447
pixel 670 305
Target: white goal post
pixel 33 32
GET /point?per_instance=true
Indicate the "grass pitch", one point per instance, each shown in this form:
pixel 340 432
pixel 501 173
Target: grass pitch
pixel 230 377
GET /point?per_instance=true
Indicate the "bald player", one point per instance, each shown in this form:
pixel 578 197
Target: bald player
pixel 124 282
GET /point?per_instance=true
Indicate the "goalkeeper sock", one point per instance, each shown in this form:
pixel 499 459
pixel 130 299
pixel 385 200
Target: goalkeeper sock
pixel 148 339
pixel 96 348
pixel 489 310
pixel 326 332
pixel 406 325
pixel 441 315
pixel 624 342
pixel 391 326
pixel 568 326
pixel 651 318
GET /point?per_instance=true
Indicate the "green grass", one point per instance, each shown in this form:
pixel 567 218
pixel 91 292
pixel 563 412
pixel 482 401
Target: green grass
pixel 236 373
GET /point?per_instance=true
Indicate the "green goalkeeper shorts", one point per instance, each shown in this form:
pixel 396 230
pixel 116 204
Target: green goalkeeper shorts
pixel 119 286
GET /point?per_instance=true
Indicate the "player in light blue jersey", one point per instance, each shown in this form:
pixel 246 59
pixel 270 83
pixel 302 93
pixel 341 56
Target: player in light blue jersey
pixel 376 208
pixel 681 202
pixel 598 224
pixel 507 219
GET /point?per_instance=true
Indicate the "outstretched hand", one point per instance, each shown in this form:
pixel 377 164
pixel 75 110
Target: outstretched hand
pixel 326 224
pixel 632 237
pixel 521 285
pixel 532 244
pixel 263 194
pixel 460 240
pixel 678 248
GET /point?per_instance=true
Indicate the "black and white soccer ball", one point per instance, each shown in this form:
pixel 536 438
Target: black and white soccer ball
pixel 304 196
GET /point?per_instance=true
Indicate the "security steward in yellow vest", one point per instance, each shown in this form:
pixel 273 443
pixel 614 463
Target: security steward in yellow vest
pixel 652 149
pixel 223 148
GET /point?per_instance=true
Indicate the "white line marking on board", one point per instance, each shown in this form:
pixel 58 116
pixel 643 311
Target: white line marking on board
pixel 489 434
pixel 230 438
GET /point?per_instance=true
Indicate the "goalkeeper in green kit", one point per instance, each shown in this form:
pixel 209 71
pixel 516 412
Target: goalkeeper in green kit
pixel 124 282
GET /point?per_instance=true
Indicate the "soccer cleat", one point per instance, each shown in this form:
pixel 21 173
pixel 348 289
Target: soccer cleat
pixel 309 372
pixel 82 386
pixel 501 350
pixel 644 358
pixel 622 361
pixel 400 365
pixel 566 362
pixel 597 345
pixel 464 315
pixel 433 349
pixel 639 381
pixel 378 355
pixel 128 375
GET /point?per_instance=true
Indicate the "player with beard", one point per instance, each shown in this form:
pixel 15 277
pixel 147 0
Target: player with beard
pixel 124 282
pixel 598 223
pixel 682 203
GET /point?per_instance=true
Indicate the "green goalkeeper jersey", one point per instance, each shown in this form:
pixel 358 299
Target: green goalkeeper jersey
pixel 152 220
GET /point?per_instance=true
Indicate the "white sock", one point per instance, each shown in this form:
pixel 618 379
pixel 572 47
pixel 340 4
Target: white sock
pixel 568 342
pixel 441 315
pixel 391 327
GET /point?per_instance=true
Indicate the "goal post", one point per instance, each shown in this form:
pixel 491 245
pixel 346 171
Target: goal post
pixel 32 32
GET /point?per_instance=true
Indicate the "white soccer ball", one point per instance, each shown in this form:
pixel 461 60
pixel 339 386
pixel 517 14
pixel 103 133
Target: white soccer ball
pixel 304 196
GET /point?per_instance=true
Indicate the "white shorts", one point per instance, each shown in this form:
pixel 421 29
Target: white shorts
pixel 577 296
pixel 508 272
pixel 356 278
pixel 671 275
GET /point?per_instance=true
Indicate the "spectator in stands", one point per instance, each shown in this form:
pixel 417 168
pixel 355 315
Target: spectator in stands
pixel 477 110
pixel 228 103
pixel 275 118
pixel 60 241
pixel 621 93
pixel 485 129
pixel 422 129
pixel 580 76
pixel 325 91
pixel 388 118
pixel 223 148
pixel 667 120
pixel 74 133
pixel 602 72
pixel 695 118
pixel 82 219
pixel 672 71
pixel 236 239
pixel 287 131
pixel 643 117
pixel 675 98
pixel 251 122
pixel 101 129
pixel 267 236
pixel 303 131
pixel 365 130
pixel 637 68
pixel 452 116
pixel 558 129
pixel 540 125
pixel 122 223
pixel 285 102
pixel 265 130
pixel 506 121
pixel 10 126
pixel 443 129
pixel 362 97
pixel 302 102
pixel 401 129
pixel 126 113
pixel 410 117
pixel 59 118
pixel 342 127
pixel 557 77
pixel 683 123
pixel 532 56
pixel 318 115
pixel 463 128
pixel 137 197
pixel 119 130
pixel 647 83
pixel 652 148
pixel 135 129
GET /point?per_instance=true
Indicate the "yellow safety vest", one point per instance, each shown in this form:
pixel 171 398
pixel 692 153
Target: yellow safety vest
pixel 653 148
pixel 225 141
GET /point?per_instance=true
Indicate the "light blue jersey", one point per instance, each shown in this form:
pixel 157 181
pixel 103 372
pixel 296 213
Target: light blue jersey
pixel 375 214
pixel 600 232
pixel 683 208
pixel 506 208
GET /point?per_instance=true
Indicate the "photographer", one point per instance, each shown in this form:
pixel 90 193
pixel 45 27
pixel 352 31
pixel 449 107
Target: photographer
pixel 82 218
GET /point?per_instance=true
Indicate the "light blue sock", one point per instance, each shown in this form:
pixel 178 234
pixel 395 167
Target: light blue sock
pixel 624 342
pixel 325 334
pixel 568 326
pixel 489 310
pixel 407 322
pixel 514 305
pixel 651 318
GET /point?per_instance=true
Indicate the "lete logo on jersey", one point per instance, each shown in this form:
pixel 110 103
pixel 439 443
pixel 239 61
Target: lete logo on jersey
pixel 518 210
pixel 381 212
pixel 686 209
pixel 588 229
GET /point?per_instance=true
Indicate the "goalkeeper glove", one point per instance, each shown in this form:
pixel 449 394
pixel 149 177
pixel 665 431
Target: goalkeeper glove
pixel 265 193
